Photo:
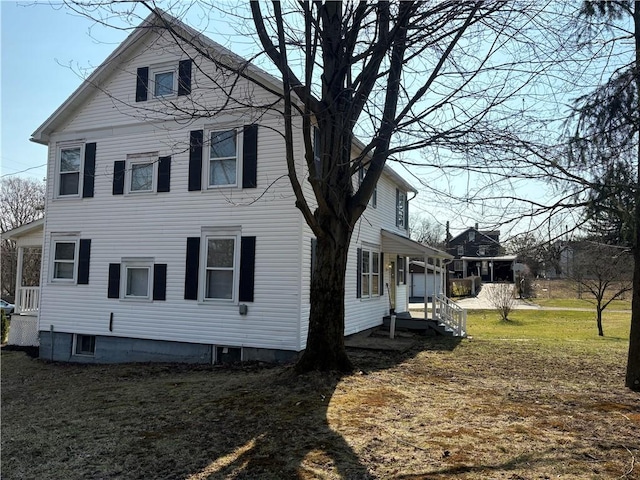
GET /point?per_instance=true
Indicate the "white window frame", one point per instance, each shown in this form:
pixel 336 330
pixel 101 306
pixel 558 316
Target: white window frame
pixel 482 250
pixel 55 239
pixel 368 277
pixel 136 263
pixel 458 266
pixel 207 156
pixel 219 234
pixel 460 250
pixel 138 159
pixel 59 172
pixel 76 344
pixel 158 70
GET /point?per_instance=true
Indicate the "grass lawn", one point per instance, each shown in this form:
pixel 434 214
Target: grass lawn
pixel 541 397
pixel 564 294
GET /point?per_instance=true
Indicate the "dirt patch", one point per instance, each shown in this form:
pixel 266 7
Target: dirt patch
pixel 481 409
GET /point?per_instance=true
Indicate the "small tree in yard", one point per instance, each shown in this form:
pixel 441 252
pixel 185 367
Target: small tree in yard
pixel 605 272
pixel 501 297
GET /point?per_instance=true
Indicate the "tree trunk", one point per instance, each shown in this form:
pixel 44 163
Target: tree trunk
pixel 325 342
pixel 633 360
pixel 599 321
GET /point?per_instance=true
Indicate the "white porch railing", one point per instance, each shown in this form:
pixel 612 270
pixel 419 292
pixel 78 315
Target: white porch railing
pixel 451 314
pixel 28 300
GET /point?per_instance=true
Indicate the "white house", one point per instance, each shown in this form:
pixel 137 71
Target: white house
pixel 170 236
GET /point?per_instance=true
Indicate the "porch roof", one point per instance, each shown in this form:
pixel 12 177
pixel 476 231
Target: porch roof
pixel 392 242
pixel 501 258
pixel 35 227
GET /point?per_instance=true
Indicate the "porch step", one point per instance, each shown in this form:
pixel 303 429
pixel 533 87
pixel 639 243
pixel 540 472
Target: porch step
pixel 406 322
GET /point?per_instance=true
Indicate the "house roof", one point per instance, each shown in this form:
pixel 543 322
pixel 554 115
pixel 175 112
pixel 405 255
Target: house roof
pixel 160 18
pixel 405 246
pixel 504 258
pixel 23 230
pixel 485 234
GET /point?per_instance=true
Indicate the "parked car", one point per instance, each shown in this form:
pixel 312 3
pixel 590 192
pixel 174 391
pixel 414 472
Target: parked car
pixel 7 307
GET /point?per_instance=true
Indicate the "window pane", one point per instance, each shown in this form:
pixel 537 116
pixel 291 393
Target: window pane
pixel 70 160
pixel 85 344
pixel 219 284
pixel 137 282
pixel 365 262
pixel 365 285
pixel 69 183
pixel 223 144
pixel 222 172
pixel 65 250
pixel 63 270
pixel 142 177
pixel 220 252
pixel 163 84
pixel 375 285
pixel 376 262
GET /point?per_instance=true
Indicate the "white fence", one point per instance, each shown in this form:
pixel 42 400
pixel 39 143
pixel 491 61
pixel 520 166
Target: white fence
pixel 28 300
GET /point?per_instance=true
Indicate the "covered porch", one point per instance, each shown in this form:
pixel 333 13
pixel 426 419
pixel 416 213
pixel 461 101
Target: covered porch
pixel 24 320
pixel 441 314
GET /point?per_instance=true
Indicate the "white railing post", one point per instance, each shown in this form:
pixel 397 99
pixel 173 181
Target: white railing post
pixel 28 299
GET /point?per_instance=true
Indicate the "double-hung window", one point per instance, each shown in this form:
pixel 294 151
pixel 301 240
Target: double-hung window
pixel 223 158
pixel 220 268
pixel 69 170
pixel 460 250
pixel 373 201
pixel 64 256
pixel 370 271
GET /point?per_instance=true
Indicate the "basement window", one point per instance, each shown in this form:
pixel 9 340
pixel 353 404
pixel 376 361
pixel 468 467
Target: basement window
pixel 84 345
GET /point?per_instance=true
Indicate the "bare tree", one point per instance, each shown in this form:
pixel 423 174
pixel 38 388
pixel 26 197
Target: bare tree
pixel 428 232
pixel 501 297
pixel 605 138
pixel 21 202
pixel 604 271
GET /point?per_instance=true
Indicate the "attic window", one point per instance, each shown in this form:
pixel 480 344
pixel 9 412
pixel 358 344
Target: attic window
pixel 164 83
pixel 472 235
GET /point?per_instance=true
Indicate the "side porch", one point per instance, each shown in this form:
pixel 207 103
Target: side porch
pixel 28 239
pixel 436 312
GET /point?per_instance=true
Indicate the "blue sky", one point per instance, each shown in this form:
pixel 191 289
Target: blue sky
pixel 43 49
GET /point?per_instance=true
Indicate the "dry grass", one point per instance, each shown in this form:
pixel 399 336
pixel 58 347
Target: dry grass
pixel 486 408
pixel 565 294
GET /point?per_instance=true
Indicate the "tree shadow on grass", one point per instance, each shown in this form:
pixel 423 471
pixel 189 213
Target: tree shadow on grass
pixel 177 421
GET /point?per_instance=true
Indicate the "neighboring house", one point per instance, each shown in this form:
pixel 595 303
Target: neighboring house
pixel 171 237
pixel 478 253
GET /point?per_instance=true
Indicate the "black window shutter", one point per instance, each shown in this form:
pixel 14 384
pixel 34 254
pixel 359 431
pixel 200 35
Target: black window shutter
pixel 381 274
pixel 84 255
pixel 399 267
pixel 118 177
pixel 113 289
pixel 195 160
pixel 247 268
pixel 184 77
pixel 164 174
pixel 160 281
pixel 314 246
pixel 359 274
pixel 397 209
pixel 192 268
pixel 250 156
pixel 406 213
pixel 142 84
pixel 89 170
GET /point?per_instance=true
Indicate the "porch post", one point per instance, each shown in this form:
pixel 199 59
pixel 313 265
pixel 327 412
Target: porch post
pixel 18 295
pixel 426 290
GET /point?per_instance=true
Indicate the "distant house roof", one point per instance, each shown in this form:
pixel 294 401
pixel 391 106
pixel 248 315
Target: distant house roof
pixel 485 233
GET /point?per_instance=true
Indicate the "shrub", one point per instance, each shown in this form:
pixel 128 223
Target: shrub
pixel 500 295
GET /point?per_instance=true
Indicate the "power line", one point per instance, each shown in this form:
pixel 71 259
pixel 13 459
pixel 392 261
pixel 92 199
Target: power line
pixel 22 171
